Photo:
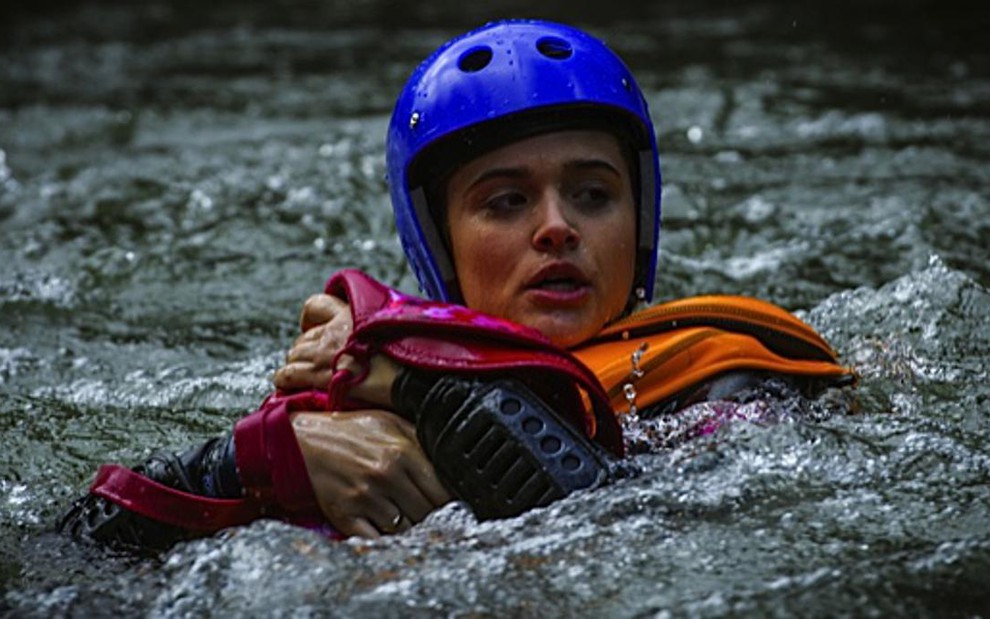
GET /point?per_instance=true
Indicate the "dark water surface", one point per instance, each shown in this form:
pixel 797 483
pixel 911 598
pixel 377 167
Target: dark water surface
pixel 174 181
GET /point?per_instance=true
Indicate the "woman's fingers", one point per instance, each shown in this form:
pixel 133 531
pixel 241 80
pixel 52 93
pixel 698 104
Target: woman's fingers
pixel 357 527
pixel 430 486
pixel 391 520
pixel 312 335
pixel 310 352
pixel 423 475
pixel 320 309
pixel 410 502
pixel 309 363
pixel 363 527
pixel 301 375
pixel 322 341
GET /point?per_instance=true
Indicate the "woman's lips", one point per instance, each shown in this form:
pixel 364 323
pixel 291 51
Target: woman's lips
pixel 559 283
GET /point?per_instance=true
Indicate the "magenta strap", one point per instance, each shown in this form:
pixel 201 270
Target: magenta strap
pixel 269 462
pixel 137 493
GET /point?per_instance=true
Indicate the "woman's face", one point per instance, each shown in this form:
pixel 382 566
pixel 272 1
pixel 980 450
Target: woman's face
pixel 543 233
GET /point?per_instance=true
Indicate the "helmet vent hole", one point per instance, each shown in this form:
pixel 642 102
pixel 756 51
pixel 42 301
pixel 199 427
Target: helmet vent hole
pixel 554 47
pixel 475 59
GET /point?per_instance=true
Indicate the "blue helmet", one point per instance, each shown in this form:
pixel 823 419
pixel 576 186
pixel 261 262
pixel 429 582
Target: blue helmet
pixel 495 85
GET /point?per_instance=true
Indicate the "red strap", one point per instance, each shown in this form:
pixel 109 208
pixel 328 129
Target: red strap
pixel 269 462
pixel 153 500
pixel 251 458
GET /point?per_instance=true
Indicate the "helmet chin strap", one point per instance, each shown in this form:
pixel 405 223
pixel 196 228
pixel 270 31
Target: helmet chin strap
pixel 438 250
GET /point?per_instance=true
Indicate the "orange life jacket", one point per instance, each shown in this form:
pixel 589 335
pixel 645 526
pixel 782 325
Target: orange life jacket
pixel 655 354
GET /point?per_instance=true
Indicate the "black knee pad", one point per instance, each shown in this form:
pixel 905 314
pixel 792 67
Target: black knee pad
pixel 503 450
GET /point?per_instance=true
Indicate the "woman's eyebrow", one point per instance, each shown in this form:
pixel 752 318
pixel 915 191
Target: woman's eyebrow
pixel 523 171
pixel 506 172
pixel 592 164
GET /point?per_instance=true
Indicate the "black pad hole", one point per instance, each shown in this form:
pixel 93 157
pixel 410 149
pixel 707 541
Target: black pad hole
pixel 550 444
pixel 533 425
pixel 570 462
pixel 511 406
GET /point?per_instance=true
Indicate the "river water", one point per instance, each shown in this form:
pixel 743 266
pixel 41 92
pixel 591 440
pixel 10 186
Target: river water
pixel 174 181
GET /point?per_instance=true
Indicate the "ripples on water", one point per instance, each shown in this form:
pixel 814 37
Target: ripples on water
pixel 171 189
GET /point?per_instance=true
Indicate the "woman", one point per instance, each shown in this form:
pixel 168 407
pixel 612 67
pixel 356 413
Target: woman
pixel 525 182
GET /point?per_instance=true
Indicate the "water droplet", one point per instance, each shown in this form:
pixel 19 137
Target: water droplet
pixel 629 390
pixel 637 355
pixel 414 120
pixel 630 393
pixel 695 134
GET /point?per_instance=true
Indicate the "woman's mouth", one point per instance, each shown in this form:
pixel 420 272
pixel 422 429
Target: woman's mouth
pixel 559 283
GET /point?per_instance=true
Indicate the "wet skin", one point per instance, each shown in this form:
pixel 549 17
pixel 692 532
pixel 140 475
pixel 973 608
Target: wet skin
pixel 543 233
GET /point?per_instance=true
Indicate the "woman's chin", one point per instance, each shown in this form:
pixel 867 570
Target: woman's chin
pixel 566 327
pixel 567 334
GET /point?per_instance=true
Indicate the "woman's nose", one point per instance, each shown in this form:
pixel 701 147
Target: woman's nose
pixel 555 231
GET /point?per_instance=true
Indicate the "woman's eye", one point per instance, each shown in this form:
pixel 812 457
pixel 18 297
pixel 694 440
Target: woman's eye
pixel 593 196
pixel 505 202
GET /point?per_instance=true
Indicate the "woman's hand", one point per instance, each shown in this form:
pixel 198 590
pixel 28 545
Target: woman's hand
pixel 368 471
pixel 326 323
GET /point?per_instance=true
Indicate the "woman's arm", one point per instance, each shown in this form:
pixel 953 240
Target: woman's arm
pixel 497 444
pixel 368 471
